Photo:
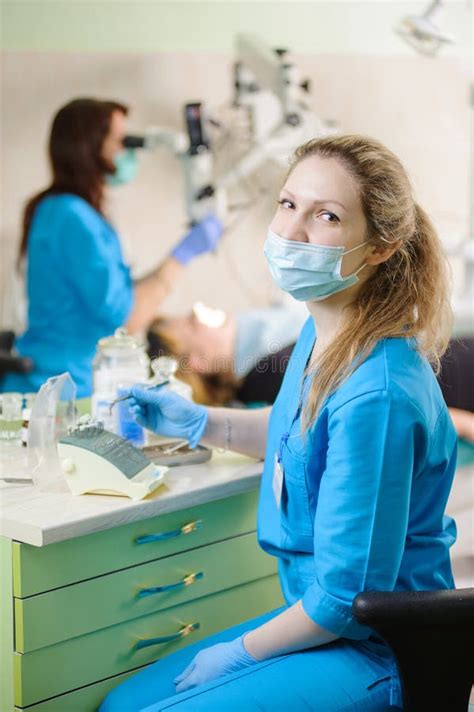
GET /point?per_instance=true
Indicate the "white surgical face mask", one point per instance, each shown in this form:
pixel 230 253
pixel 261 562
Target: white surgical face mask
pixel 306 271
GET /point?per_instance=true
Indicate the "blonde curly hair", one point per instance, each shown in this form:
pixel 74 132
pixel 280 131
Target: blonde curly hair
pixel 408 294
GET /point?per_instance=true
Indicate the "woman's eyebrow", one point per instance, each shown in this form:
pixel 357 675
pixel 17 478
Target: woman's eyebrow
pixel 319 201
pixel 328 200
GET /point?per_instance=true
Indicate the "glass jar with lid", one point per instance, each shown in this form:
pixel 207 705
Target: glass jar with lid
pixel 164 369
pixel 119 363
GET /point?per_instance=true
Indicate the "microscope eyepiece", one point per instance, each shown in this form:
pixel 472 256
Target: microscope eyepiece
pixel 130 141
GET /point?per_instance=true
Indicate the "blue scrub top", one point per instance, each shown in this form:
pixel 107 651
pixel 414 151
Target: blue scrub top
pixel 364 491
pixel 79 290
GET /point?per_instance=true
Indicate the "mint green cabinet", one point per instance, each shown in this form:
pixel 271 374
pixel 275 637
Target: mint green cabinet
pixel 80 661
pixel 104 601
pixel 41 569
pixel 78 616
pixel 82 700
pixel 7 640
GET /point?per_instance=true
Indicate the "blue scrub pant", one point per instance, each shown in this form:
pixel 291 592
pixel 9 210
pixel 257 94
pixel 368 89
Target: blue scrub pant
pixel 345 676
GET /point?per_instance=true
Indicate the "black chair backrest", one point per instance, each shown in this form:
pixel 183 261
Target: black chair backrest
pixel 6 340
pixel 455 378
pixel 10 362
pixel 431 634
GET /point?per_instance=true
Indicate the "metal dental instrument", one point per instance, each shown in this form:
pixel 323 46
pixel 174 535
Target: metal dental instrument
pixel 129 395
pixel 175 447
pixel 17 480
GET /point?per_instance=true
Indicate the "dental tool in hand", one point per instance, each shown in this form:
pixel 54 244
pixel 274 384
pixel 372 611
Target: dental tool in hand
pixel 129 395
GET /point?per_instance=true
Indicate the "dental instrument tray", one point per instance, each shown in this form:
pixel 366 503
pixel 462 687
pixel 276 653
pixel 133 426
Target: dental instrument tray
pixel 172 454
pixel 96 461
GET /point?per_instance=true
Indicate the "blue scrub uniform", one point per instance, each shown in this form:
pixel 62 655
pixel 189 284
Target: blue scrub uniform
pixel 79 290
pixel 359 506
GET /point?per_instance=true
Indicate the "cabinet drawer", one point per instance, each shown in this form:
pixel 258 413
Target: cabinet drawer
pixel 75 610
pixel 86 699
pixel 39 569
pixel 74 663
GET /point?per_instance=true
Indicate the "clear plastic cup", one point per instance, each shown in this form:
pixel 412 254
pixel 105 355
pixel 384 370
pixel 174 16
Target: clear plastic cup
pixel 12 456
pixel 11 405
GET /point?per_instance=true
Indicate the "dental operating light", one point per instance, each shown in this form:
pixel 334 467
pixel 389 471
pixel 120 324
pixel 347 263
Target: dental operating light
pixel 423 32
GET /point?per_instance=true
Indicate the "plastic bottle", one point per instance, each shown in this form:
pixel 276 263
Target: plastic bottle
pixel 119 363
pixel 28 400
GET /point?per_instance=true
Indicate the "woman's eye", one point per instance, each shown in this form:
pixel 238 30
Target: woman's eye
pixel 285 203
pixel 327 216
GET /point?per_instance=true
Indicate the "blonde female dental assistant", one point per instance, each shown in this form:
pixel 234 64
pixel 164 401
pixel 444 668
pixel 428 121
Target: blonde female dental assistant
pixel 359 447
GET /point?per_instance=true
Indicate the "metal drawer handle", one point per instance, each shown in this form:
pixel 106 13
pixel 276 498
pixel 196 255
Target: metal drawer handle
pixel 186 630
pixel 185 529
pixel 187 581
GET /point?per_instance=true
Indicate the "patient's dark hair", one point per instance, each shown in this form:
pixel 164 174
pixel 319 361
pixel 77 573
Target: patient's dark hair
pixel 208 389
pixel 77 135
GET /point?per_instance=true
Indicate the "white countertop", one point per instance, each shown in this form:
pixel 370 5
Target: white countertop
pixel 37 517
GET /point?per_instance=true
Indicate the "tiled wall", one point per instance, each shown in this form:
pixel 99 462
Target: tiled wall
pixel 417 106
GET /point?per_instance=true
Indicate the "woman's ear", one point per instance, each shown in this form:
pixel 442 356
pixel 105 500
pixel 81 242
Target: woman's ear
pixel 381 253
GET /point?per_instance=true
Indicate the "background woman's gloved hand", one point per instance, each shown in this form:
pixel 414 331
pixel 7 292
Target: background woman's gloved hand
pixel 203 237
pixel 167 413
pixel 213 662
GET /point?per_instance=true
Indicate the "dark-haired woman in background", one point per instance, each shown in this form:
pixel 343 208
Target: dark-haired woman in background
pixel 78 286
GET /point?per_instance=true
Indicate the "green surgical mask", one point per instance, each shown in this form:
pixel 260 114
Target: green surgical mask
pixel 126 167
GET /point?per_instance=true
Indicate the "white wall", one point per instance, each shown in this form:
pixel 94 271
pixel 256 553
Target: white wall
pixel 322 26
pixel 417 106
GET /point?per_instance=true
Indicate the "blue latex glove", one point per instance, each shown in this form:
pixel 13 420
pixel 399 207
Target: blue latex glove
pixel 213 662
pixel 167 413
pixel 203 237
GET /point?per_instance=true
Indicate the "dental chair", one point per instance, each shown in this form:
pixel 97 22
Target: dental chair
pixel 456 376
pixel 431 634
pixel 9 362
